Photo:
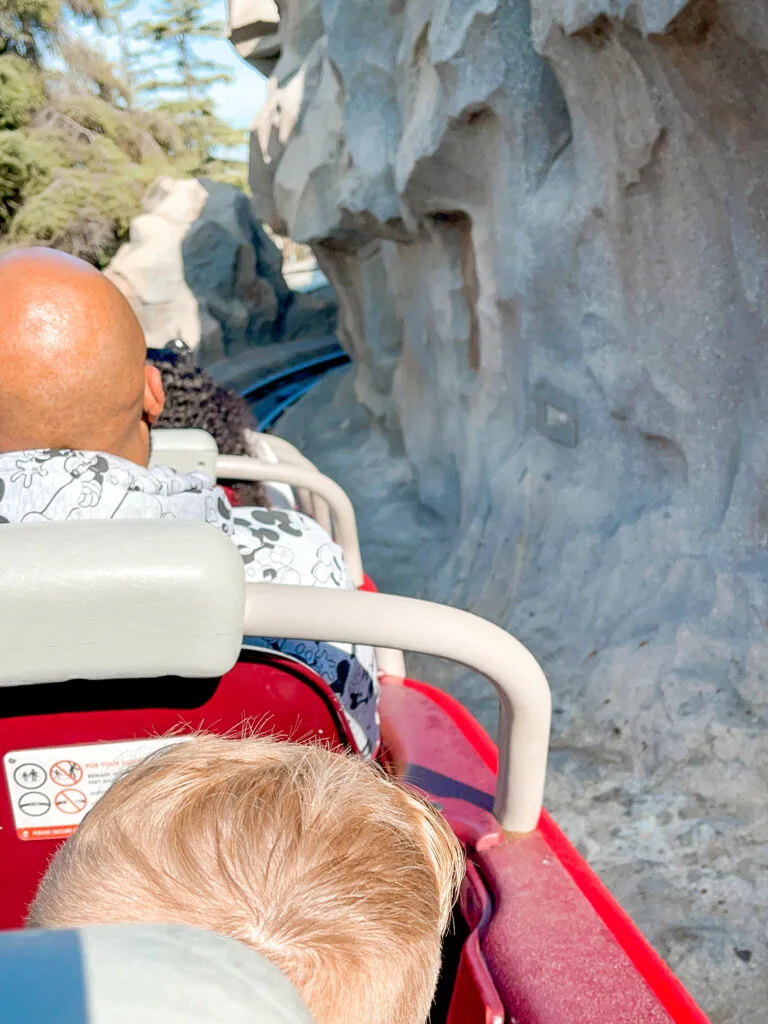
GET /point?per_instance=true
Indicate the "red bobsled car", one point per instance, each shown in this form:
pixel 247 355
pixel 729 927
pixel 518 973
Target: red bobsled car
pixel 114 633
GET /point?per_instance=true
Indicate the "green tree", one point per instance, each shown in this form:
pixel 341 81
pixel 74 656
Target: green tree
pixel 14 174
pixel 22 91
pixel 182 82
pixel 88 70
pixel 128 60
pixel 77 152
pixel 30 27
pixel 175 27
pixel 76 163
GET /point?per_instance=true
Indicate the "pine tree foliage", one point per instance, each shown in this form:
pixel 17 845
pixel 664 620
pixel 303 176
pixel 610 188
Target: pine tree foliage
pixel 181 83
pixel 22 91
pixel 89 70
pixel 82 138
pixel 29 27
pixel 129 57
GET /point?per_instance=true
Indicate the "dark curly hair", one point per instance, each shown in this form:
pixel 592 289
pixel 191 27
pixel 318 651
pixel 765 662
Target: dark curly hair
pixel 194 399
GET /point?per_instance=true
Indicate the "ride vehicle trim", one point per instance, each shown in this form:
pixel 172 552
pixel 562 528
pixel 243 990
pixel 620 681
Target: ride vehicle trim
pixel 538 940
pixel 193 450
pixel 196 575
pixel 320 497
pixel 189 450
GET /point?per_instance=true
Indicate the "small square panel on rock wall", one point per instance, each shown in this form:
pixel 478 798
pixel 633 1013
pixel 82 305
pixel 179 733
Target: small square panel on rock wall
pixel 555 414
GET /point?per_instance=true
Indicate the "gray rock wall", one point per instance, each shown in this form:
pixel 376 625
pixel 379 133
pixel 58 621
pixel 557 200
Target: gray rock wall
pixel 200 266
pixel 547 228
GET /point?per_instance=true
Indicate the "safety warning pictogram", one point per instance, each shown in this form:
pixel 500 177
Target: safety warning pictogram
pixel 34 805
pixel 51 789
pixel 70 801
pixel 66 773
pixel 29 776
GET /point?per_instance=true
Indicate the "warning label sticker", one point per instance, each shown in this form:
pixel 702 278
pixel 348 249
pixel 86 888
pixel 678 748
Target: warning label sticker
pixel 52 789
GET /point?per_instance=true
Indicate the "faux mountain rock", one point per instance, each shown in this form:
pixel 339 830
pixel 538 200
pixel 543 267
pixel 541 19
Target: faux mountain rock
pixel 200 266
pixel 546 228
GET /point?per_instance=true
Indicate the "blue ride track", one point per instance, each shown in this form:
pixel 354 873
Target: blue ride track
pixel 270 396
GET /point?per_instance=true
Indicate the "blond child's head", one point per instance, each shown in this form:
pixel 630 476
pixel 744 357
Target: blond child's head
pixel 321 862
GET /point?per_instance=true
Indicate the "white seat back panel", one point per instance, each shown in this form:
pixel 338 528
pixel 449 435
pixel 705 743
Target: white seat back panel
pixel 118 600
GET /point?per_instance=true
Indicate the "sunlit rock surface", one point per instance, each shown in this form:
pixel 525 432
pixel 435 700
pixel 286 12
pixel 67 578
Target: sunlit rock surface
pixel 199 266
pixel 547 230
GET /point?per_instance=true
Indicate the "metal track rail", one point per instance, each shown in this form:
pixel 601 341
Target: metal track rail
pixel 270 396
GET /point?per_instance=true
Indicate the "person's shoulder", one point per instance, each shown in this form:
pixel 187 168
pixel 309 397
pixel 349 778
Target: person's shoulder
pixel 176 481
pixel 286 521
pixel 283 546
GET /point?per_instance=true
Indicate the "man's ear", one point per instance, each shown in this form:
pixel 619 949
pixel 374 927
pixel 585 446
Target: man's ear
pixel 154 396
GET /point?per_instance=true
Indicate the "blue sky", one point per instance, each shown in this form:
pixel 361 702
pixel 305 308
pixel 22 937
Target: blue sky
pixel 236 103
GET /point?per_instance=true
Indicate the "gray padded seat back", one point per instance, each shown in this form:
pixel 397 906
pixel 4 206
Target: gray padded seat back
pixel 187 450
pixel 141 974
pixel 118 600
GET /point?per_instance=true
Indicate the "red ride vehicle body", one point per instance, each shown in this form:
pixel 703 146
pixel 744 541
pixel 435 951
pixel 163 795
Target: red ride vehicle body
pixel 538 939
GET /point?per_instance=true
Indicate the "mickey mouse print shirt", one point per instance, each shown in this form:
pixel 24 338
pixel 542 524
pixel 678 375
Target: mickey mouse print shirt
pixel 276 545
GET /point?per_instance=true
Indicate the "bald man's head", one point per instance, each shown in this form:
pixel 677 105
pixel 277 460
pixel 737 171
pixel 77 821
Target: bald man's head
pixel 73 368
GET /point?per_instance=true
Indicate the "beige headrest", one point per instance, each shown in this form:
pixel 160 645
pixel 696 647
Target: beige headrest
pixel 118 600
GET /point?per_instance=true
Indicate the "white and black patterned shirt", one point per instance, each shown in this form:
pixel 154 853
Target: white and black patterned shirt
pixel 276 545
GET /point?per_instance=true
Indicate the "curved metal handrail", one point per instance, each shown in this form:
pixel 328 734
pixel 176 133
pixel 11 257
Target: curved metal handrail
pixel 286 453
pixel 171 595
pixel 195 450
pixel 241 467
pixel 383 620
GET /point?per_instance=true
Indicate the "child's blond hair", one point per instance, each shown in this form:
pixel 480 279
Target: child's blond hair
pixel 320 861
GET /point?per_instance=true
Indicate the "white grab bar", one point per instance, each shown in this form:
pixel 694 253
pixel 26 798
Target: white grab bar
pixel 189 449
pixel 287 453
pixel 382 620
pixel 241 467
